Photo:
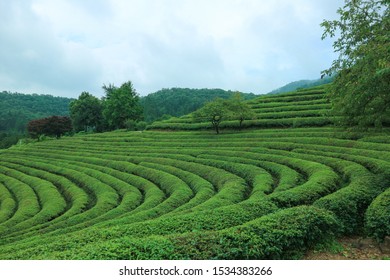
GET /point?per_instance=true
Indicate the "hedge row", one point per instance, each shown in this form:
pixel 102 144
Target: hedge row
pixel 26 199
pixel 274 104
pixel 261 123
pixel 377 216
pixel 51 202
pixel 283 235
pixel 196 195
pixel 288 108
pixel 7 203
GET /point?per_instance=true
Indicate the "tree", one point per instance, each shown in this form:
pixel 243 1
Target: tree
pixel 55 126
pixel 86 112
pixel 36 128
pixel 239 109
pixel 214 111
pixel 121 104
pixel 58 126
pixel 360 92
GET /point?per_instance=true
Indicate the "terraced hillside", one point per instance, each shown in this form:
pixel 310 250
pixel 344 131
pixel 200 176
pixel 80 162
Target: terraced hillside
pixel 302 108
pixel 254 194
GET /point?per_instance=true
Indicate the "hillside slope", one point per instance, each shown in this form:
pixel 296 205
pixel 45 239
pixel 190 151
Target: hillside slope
pixel 302 108
pixel 17 109
pixel 181 101
pixel 260 194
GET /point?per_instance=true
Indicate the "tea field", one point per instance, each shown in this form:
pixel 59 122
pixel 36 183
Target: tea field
pixel 273 191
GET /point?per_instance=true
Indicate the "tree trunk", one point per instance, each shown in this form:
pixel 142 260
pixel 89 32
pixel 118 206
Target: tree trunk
pixel 216 126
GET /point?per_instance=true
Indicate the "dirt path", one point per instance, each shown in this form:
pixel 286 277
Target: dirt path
pixel 354 248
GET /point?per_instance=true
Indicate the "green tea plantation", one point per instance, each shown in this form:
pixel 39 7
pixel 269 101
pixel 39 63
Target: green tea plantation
pixel 286 183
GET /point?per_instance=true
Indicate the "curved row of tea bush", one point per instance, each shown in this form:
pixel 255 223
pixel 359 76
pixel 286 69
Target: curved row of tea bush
pixel 215 179
pixel 271 193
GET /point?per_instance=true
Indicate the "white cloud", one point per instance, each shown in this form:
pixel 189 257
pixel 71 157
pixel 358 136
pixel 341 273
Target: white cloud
pixel 65 47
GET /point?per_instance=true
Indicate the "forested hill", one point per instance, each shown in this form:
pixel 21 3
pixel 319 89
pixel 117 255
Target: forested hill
pixel 181 101
pixel 302 84
pixel 17 109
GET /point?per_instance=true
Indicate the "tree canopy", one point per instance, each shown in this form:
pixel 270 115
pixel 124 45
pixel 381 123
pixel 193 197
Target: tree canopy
pixel 17 109
pixel 239 109
pixel 121 104
pixel 220 110
pixel 86 112
pixel 360 92
pixel 55 126
pixel 214 111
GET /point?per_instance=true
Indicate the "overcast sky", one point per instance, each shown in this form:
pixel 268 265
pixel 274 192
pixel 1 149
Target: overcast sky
pixel 64 47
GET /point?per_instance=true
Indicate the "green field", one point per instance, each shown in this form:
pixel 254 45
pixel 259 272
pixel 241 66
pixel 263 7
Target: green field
pixel 287 183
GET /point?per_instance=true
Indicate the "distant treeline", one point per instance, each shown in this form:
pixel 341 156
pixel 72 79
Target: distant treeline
pixel 17 109
pixel 9 139
pixel 177 102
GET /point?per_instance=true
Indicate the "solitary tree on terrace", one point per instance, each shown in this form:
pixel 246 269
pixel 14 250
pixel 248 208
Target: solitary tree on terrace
pixel 214 112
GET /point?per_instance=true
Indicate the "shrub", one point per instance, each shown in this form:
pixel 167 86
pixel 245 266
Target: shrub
pixel 283 235
pixel 130 125
pixel 141 125
pixel 378 216
pixel 55 126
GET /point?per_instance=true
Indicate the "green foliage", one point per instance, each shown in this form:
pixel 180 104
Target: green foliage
pixel 239 109
pixel 17 109
pixel 133 125
pixel 256 194
pixel 141 125
pixel 181 101
pixel 378 216
pixel 130 125
pixel 86 113
pixel 214 112
pixel 25 197
pixel 360 90
pixel 121 104
pixel 218 110
pixel 303 108
pixel 55 126
pixel 7 139
pixel 282 235
pixel 8 203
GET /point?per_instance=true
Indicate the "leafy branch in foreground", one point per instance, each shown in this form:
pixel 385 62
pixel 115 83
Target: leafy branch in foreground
pixel 360 92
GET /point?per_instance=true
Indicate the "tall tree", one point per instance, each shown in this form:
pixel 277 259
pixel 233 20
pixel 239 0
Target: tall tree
pixel 86 112
pixel 360 92
pixel 121 104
